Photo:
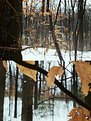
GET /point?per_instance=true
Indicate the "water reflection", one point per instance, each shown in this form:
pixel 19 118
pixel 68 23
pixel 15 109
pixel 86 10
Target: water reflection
pixel 56 111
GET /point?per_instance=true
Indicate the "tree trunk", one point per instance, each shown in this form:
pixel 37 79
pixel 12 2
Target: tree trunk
pixel 80 18
pixel 2 89
pixel 27 96
pixel 16 92
pixel 10 28
pixel 10 89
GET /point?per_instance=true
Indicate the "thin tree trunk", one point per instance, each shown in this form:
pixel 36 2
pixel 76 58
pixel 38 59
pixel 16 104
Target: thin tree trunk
pixel 80 18
pixel 10 89
pixel 36 91
pixel 57 12
pixel 26 25
pixel 39 86
pixel 74 86
pixel 16 95
pixel 43 6
pixel 55 40
pixel 36 95
pixel 81 11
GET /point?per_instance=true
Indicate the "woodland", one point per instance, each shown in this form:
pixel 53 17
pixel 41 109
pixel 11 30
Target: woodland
pixel 50 24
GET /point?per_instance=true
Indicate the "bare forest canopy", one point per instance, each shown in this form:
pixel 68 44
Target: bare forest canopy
pixel 31 20
pixel 61 24
pixel 44 23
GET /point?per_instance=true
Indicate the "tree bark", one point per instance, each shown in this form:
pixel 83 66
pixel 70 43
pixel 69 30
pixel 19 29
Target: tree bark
pixel 27 96
pixel 2 89
pixel 10 28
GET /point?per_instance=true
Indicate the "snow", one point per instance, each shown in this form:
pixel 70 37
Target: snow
pixel 39 54
pixel 61 109
pixel 7 104
pixel 51 55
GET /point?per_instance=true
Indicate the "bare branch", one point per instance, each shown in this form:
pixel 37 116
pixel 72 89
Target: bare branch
pixel 60 85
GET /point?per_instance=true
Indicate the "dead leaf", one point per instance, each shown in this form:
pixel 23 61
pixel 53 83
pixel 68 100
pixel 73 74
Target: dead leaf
pixel 54 71
pixel 79 114
pixel 83 70
pixel 28 72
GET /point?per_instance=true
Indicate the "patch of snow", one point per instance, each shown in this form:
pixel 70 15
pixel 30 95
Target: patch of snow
pixel 9 106
pixel 60 113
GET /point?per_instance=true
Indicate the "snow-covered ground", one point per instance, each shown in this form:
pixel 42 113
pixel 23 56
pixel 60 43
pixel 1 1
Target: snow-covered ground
pixel 60 113
pixel 51 55
pixel 61 110
pixel 9 110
